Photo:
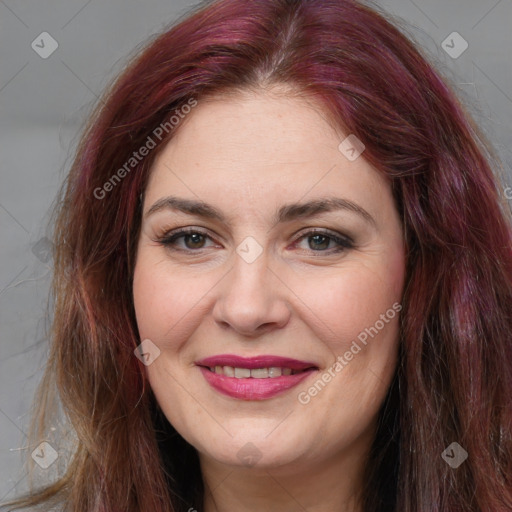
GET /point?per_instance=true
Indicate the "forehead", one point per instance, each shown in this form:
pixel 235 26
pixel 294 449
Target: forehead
pixel 260 148
pixel 259 127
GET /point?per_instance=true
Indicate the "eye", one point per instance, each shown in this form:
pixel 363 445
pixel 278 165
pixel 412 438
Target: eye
pixel 191 238
pixel 326 241
pixel 194 240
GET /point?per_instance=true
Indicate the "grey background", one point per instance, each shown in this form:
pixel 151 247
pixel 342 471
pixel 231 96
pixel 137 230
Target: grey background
pixel 43 103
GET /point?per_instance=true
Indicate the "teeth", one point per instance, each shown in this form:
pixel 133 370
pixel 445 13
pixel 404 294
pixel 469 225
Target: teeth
pixel 274 372
pixel 229 371
pixel 256 373
pixel 242 373
pixel 259 373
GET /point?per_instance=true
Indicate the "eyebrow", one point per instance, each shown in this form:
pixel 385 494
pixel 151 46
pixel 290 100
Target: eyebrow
pixel 286 213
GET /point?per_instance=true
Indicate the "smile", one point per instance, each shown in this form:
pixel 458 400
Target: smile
pixel 256 373
pixel 256 378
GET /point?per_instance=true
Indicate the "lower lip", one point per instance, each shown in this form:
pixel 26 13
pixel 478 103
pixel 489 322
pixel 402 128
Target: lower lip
pixel 253 389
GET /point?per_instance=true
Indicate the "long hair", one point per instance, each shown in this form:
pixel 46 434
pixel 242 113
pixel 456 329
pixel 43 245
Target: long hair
pixel 453 381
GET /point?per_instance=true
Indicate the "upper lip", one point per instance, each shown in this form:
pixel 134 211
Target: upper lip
pixel 262 361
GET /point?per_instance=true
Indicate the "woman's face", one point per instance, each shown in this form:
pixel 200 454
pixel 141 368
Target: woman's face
pixel 293 266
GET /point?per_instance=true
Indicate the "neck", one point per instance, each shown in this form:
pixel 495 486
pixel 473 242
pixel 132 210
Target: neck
pixel 323 486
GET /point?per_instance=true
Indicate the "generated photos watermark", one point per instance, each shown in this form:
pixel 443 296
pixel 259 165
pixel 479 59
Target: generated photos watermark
pixel 137 156
pixel 305 397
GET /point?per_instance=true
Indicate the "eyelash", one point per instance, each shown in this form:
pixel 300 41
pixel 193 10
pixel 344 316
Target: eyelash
pixel 168 240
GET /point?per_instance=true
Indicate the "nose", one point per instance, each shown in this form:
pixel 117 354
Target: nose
pixel 252 299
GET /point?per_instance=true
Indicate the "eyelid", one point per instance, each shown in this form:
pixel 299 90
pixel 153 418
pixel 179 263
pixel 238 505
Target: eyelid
pixel 323 231
pixel 343 242
pixel 166 233
pixel 179 232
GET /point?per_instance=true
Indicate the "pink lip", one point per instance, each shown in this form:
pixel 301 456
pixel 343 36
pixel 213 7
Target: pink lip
pixel 251 388
pixel 262 361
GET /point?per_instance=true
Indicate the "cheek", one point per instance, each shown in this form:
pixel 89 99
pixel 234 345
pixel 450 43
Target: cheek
pixel 359 312
pixel 163 298
pixel 345 304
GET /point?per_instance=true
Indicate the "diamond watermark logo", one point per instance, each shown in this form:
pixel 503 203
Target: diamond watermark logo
pixel 43 249
pixel 44 45
pixel 454 455
pixel 45 455
pixel 351 148
pixel 249 250
pixel 249 454
pixel 454 45
pixel 147 352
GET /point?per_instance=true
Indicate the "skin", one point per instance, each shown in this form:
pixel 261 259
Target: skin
pixel 247 155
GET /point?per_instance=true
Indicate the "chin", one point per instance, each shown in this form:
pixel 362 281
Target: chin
pixel 256 450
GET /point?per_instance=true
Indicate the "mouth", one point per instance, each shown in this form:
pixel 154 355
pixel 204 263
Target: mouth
pixel 255 373
pixel 256 378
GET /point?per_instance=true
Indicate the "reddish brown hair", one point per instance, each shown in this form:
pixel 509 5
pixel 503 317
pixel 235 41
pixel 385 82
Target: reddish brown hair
pixel 454 379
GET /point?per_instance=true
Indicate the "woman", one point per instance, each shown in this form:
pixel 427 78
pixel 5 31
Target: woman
pixel 283 278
